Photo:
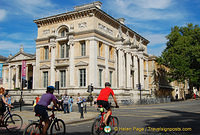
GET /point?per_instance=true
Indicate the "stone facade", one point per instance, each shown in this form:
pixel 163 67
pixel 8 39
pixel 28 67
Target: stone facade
pixel 82 47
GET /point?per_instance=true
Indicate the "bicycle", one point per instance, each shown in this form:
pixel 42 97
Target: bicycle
pixel 98 126
pixel 13 122
pixel 57 126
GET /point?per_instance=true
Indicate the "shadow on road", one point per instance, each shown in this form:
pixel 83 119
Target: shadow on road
pixel 181 123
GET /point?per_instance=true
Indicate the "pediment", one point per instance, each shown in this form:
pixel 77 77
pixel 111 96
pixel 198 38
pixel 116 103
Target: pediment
pixel 81 63
pixel 45 67
pixel 21 56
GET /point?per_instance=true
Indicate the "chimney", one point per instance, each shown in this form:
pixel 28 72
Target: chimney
pixel 121 20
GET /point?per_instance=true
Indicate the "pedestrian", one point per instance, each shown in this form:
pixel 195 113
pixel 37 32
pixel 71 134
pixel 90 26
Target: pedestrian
pixel 70 103
pixel 79 101
pixel 37 99
pixel 60 102
pixel 65 99
pixel 3 104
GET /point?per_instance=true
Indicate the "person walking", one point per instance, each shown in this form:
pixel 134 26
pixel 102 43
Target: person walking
pixel 70 103
pixel 65 99
pixel 79 101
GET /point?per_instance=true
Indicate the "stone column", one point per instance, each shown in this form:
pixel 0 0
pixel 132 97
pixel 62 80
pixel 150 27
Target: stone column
pixel 93 62
pixel 116 69
pixel 17 77
pixel 52 69
pixel 9 76
pixel 37 81
pixel 4 77
pixel 120 67
pixel 147 79
pixel 107 79
pixel 135 60
pixel 128 70
pixel 34 76
pixel 141 72
pixel 71 65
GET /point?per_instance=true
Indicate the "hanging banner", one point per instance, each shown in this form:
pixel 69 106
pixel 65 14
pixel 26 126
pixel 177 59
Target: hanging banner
pixel 23 69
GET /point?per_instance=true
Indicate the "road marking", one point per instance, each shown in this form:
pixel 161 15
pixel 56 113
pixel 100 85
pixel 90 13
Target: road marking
pixel 149 116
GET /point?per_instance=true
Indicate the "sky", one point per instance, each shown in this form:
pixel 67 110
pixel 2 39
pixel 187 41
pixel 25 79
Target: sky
pixel 152 19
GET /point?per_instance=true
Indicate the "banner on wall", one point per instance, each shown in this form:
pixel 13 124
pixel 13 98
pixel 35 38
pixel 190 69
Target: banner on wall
pixel 23 69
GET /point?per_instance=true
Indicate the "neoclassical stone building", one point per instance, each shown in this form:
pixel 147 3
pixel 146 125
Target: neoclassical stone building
pixel 82 47
pixel 88 46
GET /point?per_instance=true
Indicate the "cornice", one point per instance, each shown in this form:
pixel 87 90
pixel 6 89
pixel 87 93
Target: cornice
pixel 84 13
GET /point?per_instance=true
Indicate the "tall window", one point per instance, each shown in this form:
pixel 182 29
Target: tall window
pixel 63 33
pixel 64 51
pixel 45 75
pixel 111 77
pixel 110 53
pixel 100 77
pixel 67 51
pixel 100 47
pixel 82 77
pixel 46 53
pixel 63 78
pixel 83 48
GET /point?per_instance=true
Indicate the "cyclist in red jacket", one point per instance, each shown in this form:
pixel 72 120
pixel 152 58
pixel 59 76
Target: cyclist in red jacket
pixel 103 100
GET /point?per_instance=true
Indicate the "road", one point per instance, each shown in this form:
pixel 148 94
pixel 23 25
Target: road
pixel 176 118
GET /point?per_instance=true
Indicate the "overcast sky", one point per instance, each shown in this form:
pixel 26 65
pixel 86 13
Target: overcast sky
pixel 153 19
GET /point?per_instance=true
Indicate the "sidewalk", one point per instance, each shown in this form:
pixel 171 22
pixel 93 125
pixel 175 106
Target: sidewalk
pixel 68 118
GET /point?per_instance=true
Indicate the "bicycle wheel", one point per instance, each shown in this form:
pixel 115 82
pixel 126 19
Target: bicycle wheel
pixel 97 128
pixel 113 122
pixel 14 123
pixel 33 129
pixel 58 127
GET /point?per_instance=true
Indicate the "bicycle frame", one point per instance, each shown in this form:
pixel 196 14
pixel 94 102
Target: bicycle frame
pixel 52 118
pixel 6 114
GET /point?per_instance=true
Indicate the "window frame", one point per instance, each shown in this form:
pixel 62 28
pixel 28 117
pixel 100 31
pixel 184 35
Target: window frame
pixel 82 77
pixel 62 78
pixel 45 79
pixel 83 48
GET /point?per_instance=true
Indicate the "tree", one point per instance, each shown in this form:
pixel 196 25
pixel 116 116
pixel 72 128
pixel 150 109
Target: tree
pixel 182 54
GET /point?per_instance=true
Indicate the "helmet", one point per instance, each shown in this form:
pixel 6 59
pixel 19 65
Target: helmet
pixel 107 84
pixel 50 89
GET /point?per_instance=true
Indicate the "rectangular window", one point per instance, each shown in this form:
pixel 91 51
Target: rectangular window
pixel 110 53
pixel 46 53
pixel 100 46
pixel 100 77
pixel 67 51
pixel 62 51
pixel 45 75
pixel 63 78
pixel 83 48
pixel 111 77
pixel 82 77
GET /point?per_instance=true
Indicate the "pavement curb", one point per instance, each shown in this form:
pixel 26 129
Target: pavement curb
pixel 79 121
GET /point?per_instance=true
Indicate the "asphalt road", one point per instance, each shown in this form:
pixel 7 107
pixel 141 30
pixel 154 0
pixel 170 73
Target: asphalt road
pixel 176 118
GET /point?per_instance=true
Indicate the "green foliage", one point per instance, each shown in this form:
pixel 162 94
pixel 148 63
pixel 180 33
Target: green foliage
pixel 182 54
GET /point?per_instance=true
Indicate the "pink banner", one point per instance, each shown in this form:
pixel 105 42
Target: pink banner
pixel 23 69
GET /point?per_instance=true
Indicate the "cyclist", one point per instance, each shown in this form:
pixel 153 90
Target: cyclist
pixel 3 104
pixel 102 100
pixel 42 105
